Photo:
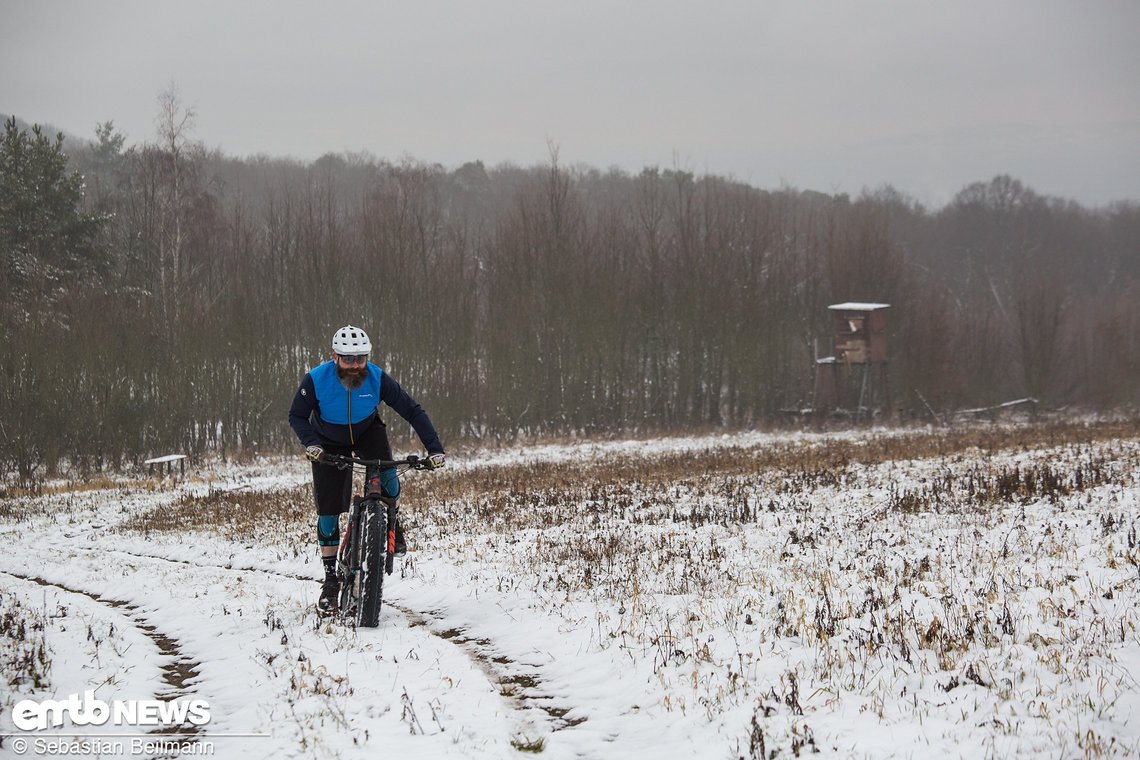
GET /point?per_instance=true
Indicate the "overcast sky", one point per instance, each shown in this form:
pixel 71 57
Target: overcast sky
pixel 833 96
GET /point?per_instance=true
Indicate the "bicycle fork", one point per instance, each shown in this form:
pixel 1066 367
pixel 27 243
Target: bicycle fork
pixel 373 489
pixel 347 556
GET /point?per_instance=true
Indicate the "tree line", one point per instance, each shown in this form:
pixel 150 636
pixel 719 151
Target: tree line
pixel 163 297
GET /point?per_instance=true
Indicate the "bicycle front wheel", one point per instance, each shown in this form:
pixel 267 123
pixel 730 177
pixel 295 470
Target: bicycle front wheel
pixel 373 536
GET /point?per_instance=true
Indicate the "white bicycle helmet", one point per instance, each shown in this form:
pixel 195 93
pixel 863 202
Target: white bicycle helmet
pixel 351 341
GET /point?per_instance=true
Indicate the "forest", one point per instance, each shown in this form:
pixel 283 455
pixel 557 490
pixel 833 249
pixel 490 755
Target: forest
pixel 165 297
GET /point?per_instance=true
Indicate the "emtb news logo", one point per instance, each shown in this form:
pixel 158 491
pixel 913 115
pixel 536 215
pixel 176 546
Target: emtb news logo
pixel 30 715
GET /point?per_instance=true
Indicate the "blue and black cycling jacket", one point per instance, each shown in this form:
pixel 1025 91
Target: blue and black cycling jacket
pixel 325 412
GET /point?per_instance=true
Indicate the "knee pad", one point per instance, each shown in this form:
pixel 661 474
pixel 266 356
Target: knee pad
pixel 328 530
pixel 383 483
pixel 390 482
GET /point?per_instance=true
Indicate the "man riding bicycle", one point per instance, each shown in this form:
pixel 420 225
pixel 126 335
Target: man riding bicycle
pixel 335 410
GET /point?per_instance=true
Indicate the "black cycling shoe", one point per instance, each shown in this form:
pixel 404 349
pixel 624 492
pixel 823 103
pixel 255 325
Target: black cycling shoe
pixel 330 590
pixel 401 544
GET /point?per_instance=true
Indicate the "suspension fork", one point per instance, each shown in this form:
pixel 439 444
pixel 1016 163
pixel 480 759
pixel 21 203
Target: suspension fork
pixel 346 539
pixel 373 489
pixel 393 510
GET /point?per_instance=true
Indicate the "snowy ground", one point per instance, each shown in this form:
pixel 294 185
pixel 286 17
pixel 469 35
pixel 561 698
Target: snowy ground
pixel 895 594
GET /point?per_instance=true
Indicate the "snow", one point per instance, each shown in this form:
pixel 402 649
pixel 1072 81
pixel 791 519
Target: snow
pixel 858 306
pixel 165 459
pixel 644 623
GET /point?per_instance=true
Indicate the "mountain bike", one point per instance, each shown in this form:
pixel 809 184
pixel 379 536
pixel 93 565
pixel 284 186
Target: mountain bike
pixel 368 545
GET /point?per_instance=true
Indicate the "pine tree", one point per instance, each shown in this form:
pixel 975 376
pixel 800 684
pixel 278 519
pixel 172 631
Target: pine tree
pixel 46 237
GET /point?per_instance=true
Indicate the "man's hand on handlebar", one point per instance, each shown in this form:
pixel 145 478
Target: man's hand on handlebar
pixel 346 462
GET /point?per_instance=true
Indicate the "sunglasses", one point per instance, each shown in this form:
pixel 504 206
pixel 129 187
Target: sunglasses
pixel 352 359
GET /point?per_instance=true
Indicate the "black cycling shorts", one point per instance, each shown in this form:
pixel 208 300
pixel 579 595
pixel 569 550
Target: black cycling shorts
pixel 332 488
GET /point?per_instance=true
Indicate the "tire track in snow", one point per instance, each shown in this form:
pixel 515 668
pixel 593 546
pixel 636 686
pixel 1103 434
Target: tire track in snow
pixel 179 672
pixel 522 689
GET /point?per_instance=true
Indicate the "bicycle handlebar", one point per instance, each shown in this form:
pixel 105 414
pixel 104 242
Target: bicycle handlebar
pixel 344 462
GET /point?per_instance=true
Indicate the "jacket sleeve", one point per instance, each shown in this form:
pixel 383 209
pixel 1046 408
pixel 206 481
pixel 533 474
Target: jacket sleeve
pixel 396 397
pixel 304 404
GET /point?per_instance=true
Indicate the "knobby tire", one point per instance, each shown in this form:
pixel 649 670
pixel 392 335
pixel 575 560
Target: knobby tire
pixel 370 576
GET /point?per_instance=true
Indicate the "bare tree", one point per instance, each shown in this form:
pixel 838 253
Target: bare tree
pixel 174 123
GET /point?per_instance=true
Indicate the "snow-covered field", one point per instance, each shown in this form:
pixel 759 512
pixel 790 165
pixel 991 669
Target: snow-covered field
pixel 887 594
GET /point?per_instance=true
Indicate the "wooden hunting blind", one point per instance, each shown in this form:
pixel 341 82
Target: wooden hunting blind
pixel 860 332
pixel 857 370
